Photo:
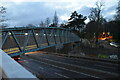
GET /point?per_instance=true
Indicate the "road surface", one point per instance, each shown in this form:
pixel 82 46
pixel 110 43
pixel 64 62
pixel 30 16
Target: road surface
pixel 53 66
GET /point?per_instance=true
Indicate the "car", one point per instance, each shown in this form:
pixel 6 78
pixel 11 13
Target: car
pixel 17 58
pixel 115 44
pixel 113 56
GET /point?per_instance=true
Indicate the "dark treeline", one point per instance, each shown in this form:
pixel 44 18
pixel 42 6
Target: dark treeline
pixel 96 25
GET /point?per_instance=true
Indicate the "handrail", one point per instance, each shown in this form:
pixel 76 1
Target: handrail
pixel 24 28
pixel 11 69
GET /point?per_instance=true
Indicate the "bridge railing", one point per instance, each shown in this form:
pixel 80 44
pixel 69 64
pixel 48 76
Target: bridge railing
pixel 10 69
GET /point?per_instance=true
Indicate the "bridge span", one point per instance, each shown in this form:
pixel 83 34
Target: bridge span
pixel 16 41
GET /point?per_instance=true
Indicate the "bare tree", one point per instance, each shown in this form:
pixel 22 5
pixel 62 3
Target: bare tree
pixel 2 17
pixel 96 16
pixel 42 24
pixel 117 16
pixel 47 22
pixel 55 20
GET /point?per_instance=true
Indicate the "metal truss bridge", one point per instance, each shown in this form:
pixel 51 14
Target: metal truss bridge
pixel 16 41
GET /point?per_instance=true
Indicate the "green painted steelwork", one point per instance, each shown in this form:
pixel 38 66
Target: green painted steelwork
pixel 16 41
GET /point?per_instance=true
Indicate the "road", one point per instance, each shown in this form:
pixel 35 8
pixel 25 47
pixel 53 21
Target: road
pixel 50 71
pixel 53 66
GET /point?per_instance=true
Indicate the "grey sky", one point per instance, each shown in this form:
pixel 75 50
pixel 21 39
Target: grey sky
pixel 22 13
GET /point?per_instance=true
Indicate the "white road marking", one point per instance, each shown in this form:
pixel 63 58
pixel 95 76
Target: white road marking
pixel 61 75
pixel 83 67
pixel 69 70
pixel 25 61
pixel 41 67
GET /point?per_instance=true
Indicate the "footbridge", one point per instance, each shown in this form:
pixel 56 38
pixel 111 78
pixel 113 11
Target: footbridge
pixel 16 41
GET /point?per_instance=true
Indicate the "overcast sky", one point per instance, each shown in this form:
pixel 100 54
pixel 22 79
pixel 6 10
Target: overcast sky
pixel 23 12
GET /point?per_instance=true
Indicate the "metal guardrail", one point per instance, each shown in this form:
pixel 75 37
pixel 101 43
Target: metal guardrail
pixel 10 69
